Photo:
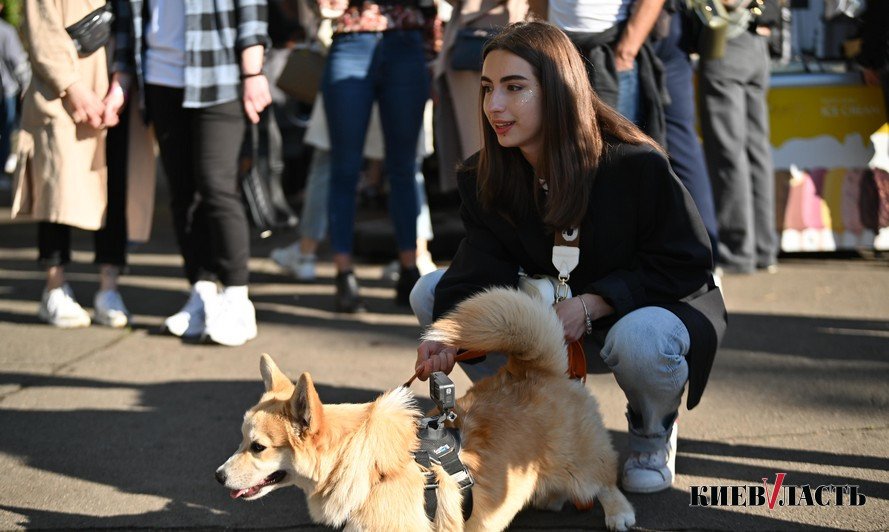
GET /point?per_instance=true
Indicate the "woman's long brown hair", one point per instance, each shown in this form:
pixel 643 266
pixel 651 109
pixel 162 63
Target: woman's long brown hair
pixel 575 124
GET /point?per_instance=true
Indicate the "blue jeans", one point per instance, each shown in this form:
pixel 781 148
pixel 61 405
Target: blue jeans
pixel 645 350
pixel 388 67
pixel 628 93
pixel 313 220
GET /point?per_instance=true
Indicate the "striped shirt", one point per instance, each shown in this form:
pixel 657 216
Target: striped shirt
pixel 216 31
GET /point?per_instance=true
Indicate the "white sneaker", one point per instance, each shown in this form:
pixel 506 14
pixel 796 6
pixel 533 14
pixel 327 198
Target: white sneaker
pixel 291 259
pixel 108 309
pixel 651 472
pixel 58 307
pixel 233 321
pixel 192 319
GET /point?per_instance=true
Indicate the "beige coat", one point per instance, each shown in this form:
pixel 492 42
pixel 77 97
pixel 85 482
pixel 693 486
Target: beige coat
pixel 458 128
pixel 61 175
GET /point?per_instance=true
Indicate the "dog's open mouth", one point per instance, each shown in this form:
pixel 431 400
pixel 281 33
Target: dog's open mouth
pixel 246 493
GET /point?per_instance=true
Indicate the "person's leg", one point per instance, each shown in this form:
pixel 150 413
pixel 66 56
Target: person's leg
pixel 299 258
pixel 174 131
pixel 313 221
pixel 348 98
pixel 54 250
pixel 759 153
pixel 174 134
pixel 724 128
pixel 57 304
pixel 422 296
pixel 219 132
pixel 403 91
pixel 645 351
pixel 683 146
pixel 111 240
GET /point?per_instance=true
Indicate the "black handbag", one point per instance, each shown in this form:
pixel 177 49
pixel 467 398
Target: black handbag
pixel 254 191
pixel 466 54
pixel 263 198
pixel 92 31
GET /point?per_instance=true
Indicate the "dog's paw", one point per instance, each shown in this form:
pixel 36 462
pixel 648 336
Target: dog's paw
pixel 621 521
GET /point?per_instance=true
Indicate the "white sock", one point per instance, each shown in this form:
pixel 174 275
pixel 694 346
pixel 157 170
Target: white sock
pixel 235 292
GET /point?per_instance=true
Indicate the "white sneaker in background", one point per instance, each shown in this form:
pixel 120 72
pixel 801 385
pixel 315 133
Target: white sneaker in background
pixel 654 471
pixel 10 163
pixel 233 321
pixel 58 307
pixel 191 320
pixel 108 309
pixel 291 259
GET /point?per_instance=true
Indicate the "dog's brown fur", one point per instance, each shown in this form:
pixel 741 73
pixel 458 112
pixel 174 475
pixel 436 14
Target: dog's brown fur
pixel 530 435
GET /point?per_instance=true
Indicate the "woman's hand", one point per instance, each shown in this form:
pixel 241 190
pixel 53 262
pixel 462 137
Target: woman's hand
pixel 84 105
pixel 256 96
pixel 432 357
pixel 115 99
pixel 570 312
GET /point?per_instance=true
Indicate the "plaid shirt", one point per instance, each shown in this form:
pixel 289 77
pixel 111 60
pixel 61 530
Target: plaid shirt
pixel 216 31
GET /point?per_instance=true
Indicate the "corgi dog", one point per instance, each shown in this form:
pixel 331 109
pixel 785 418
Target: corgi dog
pixel 530 436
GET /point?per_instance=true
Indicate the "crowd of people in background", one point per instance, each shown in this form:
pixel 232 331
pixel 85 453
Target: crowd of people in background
pixel 190 79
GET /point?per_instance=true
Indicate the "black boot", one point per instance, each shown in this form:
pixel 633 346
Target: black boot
pixel 347 298
pixel 406 281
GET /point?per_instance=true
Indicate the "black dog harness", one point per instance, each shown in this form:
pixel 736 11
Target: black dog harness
pixel 441 446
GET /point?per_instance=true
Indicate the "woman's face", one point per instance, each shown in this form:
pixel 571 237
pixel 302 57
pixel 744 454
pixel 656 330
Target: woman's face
pixel 512 103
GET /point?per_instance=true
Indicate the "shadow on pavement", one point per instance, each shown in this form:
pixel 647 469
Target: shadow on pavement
pixel 817 338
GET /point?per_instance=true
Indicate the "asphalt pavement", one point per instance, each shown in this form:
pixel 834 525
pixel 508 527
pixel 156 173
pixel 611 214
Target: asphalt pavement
pixel 123 429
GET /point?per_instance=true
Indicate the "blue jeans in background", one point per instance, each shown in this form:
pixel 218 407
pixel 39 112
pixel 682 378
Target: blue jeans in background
pixel 628 93
pixel 313 220
pixel 390 68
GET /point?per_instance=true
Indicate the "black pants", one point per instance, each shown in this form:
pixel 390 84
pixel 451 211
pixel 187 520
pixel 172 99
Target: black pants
pixel 199 152
pixel 54 240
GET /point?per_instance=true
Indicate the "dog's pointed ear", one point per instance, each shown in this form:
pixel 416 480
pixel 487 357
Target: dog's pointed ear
pixel 306 406
pixel 272 377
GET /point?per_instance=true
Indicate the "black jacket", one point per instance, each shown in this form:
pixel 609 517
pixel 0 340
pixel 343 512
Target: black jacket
pixel 642 243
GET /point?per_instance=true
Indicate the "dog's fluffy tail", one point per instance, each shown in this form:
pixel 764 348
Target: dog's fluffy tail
pixel 507 321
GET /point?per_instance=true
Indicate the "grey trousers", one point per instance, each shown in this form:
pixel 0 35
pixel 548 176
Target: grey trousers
pixel 735 125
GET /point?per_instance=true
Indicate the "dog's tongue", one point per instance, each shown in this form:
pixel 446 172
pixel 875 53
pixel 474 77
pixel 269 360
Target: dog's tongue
pixel 235 494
